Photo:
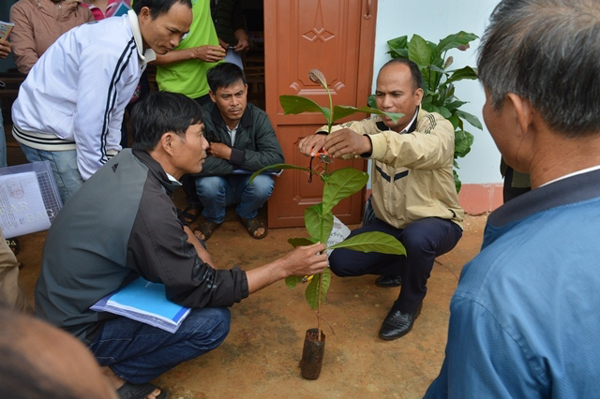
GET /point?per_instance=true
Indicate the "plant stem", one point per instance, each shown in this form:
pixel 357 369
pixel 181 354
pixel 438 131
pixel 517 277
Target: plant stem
pixel 330 121
pixel 319 307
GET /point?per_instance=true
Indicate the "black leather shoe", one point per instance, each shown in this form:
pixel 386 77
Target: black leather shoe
pixel 388 281
pixel 397 324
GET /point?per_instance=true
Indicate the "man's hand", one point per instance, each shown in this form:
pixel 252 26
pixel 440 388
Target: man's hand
pixel 208 53
pixel 301 261
pixel 346 141
pixel 243 43
pixel 5 48
pixel 220 150
pixel 304 261
pixel 310 145
pixel 223 44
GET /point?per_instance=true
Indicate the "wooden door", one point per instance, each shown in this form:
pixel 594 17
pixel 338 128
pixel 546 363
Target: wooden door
pixel 337 37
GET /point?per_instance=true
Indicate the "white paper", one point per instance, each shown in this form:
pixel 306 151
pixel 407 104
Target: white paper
pixel 22 209
pixel 338 234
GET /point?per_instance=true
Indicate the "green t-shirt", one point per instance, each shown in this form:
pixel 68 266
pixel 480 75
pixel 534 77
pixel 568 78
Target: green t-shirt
pixel 189 77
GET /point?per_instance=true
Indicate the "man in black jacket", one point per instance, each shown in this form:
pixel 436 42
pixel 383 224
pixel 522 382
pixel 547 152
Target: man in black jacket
pixel 123 224
pixel 242 141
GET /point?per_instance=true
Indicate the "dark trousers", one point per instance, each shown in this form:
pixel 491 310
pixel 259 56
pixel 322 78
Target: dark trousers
pixel 424 240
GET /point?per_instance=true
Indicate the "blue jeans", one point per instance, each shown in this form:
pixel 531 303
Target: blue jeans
pixel 138 352
pixel 424 240
pixel 64 168
pixel 216 193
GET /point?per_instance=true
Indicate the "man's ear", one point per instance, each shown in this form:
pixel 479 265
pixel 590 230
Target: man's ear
pixel 166 142
pixel 418 95
pixel 212 96
pixel 145 14
pixel 522 111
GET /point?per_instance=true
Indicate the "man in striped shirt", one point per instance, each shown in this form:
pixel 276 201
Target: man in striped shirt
pixel 70 108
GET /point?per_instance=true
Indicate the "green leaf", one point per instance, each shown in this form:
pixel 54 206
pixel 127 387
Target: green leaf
pixel 341 184
pixel 317 224
pixel 292 281
pixel 373 241
pixel 462 74
pixel 400 42
pixel 371 101
pixel 280 166
pixel 419 51
pixel 457 182
pixel 454 105
pixel 453 41
pixel 462 143
pixel 442 111
pixel 299 104
pixel 301 242
pixel 399 53
pixel 312 291
pixel 472 119
pixel 341 111
pixel 454 120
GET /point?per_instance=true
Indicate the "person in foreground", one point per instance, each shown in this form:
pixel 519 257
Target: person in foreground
pixel 40 361
pixel 123 224
pixel 524 319
pixel 242 139
pixel 414 198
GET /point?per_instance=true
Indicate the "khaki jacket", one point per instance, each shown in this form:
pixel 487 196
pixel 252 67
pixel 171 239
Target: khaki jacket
pixel 38 23
pixel 412 177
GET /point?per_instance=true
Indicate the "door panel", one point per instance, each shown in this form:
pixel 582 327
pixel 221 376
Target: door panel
pixel 336 37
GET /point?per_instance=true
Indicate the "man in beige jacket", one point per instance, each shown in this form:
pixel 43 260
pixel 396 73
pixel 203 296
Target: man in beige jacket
pixel 414 197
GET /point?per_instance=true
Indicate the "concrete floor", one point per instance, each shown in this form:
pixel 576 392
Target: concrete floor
pixel 259 358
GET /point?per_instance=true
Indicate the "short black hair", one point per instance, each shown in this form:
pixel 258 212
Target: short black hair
pixel 415 72
pixel 159 113
pixel 547 52
pixel 157 7
pixel 224 75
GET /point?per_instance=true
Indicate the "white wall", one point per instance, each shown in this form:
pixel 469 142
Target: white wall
pixel 434 20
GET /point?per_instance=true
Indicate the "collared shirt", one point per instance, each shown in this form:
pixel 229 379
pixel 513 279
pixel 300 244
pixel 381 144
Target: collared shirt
pixel 146 55
pixel 524 318
pixel 232 133
pixel 405 130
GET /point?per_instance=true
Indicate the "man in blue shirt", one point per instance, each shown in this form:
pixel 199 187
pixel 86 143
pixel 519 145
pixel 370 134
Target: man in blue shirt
pixel 524 319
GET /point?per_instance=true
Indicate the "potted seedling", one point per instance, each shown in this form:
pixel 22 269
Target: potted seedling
pixel 319 218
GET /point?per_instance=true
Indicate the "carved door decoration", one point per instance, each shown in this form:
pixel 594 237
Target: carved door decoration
pixel 336 37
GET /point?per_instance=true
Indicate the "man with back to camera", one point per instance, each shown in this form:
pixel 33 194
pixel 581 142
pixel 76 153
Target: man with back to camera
pixel 413 193
pixel 123 224
pixel 242 141
pixel 524 318
pixel 70 107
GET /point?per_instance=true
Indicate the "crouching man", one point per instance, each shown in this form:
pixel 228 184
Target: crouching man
pixel 242 139
pixel 414 197
pixel 122 224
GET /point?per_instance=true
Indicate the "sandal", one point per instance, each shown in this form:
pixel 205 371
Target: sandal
pixel 206 228
pixel 191 212
pixel 252 225
pixel 134 391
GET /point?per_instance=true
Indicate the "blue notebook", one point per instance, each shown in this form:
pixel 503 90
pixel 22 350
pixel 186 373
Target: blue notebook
pixel 145 302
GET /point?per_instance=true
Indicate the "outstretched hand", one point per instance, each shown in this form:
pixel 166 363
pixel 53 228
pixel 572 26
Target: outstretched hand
pixel 346 141
pixel 306 260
